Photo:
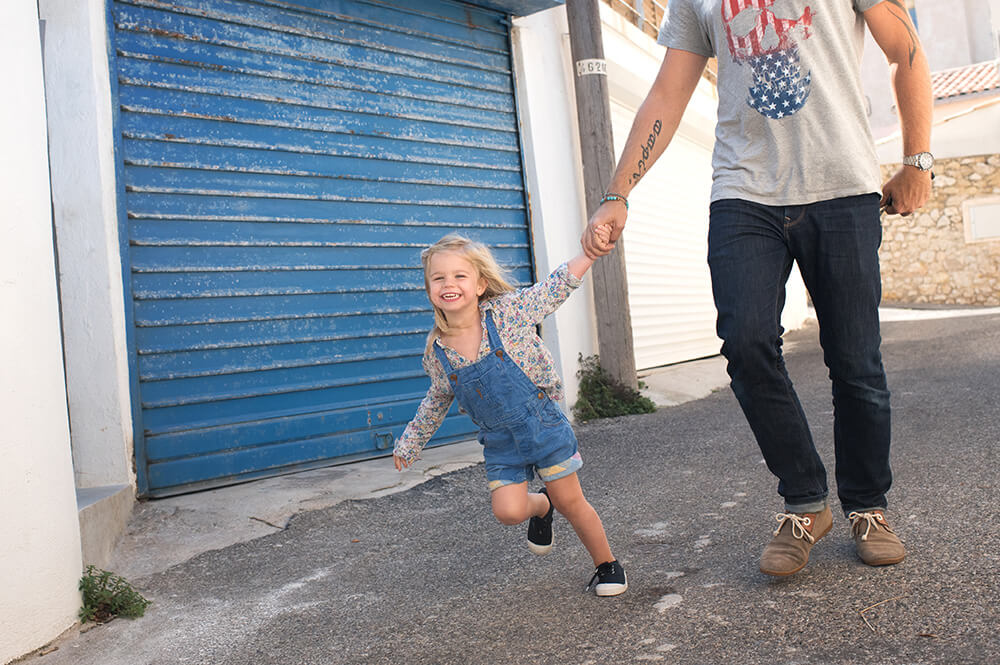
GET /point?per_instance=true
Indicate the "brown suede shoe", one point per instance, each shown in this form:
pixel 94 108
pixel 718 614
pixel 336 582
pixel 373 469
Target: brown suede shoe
pixel 788 551
pixel 878 544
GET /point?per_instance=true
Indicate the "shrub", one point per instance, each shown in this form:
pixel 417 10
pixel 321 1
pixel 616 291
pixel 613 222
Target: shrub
pixel 601 396
pixel 106 595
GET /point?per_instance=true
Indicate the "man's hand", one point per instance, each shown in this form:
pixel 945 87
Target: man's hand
pixel 906 192
pixel 604 229
pixel 894 32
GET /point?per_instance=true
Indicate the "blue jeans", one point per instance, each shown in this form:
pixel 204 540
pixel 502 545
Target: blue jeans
pixel 835 243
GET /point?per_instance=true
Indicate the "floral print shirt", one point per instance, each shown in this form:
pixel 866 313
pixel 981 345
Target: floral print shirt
pixel 515 315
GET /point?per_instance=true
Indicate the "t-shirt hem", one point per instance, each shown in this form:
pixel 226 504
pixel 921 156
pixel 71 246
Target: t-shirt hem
pixel 806 199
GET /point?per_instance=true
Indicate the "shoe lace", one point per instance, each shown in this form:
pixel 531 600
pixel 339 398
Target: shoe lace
pixel 871 519
pixel 599 574
pixel 799 524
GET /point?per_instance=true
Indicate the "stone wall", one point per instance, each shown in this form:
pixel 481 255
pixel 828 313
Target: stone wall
pixel 925 258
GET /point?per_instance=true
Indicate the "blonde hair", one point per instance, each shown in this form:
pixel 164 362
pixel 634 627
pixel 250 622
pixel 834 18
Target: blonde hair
pixel 481 258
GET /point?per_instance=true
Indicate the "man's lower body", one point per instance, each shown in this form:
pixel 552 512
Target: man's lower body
pixel 835 244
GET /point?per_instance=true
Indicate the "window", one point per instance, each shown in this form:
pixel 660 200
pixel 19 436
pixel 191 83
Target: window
pixel 982 219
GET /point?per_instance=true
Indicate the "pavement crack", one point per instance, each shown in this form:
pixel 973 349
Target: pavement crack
pixel 279 528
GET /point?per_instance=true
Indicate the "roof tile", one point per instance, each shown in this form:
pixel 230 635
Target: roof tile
pixel 966 80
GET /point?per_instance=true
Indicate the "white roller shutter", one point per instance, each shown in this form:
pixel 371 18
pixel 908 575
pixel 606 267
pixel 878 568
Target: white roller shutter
pixel 670 289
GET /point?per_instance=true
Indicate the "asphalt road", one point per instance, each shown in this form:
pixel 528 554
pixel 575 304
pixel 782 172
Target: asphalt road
pixel 427 576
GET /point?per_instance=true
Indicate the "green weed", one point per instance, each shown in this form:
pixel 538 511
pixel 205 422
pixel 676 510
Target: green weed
pixel 601 396
pixel 106 595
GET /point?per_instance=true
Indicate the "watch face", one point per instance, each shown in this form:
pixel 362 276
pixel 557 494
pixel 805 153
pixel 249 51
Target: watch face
pixel 925 161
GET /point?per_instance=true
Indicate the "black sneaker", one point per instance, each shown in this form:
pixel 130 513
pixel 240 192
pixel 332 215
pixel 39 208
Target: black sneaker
pixel 609 579
pixel 540 530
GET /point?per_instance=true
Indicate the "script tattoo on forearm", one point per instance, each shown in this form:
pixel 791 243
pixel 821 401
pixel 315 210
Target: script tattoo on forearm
pixel 904 19
pixel 647 150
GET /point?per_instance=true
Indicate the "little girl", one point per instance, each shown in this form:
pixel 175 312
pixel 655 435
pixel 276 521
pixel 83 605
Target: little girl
pixel 484 351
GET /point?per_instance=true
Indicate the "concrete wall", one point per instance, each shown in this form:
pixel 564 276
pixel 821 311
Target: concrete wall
pixel 40 543
pixel 78 92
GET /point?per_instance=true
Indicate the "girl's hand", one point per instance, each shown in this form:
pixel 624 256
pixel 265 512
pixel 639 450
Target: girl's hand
pixel 602 234
pixel 603 229
pixel 400 462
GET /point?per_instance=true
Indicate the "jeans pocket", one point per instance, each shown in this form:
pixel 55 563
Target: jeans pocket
pixel 551 415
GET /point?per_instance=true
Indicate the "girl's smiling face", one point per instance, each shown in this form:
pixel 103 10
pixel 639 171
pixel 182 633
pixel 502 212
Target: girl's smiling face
pixel 454 284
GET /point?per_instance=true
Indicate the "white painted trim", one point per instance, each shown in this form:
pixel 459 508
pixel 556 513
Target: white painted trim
pixel 960 128
pixel 40 562
pixel 81 146
pixel 547 113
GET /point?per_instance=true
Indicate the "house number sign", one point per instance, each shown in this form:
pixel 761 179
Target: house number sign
pixel 591 66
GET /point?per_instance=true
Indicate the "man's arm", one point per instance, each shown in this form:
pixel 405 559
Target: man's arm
pixel 890 25
pixel 654 126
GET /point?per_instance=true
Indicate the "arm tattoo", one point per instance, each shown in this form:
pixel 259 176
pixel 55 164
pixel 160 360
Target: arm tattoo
pixel 647 150
pixel 904 19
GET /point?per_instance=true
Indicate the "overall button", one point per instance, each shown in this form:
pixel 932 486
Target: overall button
pixel 499 353
pixel 541 395
pixel 453 377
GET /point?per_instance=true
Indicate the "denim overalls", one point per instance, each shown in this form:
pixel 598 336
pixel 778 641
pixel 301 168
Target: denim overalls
pixel 521 429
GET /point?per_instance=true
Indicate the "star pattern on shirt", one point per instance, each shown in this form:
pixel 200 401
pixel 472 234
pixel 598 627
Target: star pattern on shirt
pixel 779 87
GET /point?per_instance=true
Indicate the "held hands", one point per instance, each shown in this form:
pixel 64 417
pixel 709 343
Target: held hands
pixel 602 235
pixel 582 262
pixel 906 191
pixel 604 229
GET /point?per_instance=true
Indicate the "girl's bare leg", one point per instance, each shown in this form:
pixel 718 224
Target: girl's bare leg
pixel 512 504
pixel 567 497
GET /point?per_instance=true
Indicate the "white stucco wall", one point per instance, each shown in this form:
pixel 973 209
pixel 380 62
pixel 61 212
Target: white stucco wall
pixel 633 62
pixel 78 91
pixel 554 181
pixel 959 130
pixel 547 105
pixel 40 561
pixel 955 33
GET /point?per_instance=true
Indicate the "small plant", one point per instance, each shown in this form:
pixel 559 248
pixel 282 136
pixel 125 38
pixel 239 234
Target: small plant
pixel 601 396
pixel 106 595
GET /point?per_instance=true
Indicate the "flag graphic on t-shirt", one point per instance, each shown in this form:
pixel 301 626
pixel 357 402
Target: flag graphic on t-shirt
pixel 779 87
pixel 769 45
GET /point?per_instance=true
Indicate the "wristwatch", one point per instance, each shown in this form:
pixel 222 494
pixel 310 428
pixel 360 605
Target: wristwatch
pixel 922 160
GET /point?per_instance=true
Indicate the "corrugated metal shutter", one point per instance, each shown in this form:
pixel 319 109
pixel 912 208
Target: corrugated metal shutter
pixel 283 163
pixel 670 288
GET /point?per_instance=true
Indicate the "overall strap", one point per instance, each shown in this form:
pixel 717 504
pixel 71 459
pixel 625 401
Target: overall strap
pixel 442 357
pixel 491 331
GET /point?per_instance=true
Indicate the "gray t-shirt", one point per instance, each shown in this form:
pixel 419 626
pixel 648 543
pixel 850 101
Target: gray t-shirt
pixel 792 126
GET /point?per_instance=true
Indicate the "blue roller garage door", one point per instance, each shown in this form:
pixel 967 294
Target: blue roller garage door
pixel 282 164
